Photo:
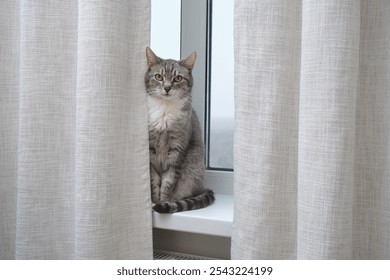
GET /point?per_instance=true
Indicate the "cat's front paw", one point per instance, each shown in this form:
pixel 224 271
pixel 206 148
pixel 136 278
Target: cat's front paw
pixel 161 208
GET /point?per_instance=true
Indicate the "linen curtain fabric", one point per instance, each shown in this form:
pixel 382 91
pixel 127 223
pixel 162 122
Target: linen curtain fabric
pixel 74 163
pixel 312 150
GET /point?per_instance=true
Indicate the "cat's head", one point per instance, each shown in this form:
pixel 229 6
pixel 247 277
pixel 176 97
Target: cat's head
pixel 168 78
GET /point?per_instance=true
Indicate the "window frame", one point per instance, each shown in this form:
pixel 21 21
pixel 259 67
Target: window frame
pixel 196 35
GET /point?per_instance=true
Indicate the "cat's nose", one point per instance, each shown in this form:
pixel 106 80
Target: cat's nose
pixel 167 88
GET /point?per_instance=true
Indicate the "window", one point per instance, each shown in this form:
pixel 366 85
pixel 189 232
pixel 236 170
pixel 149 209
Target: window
pixel 205 26
pixel 165 30
pixel 221 111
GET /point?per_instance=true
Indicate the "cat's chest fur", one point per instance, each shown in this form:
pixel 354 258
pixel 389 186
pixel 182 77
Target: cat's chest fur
pixel 163 113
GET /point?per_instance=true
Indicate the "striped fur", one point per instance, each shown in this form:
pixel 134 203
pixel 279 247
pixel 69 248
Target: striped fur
pixel 193 203
pixel 175 138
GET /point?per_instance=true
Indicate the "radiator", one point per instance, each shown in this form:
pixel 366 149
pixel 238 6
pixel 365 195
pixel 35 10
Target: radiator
pixel 166 255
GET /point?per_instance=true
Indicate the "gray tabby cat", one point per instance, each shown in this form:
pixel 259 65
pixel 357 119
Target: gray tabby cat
pixel 175 138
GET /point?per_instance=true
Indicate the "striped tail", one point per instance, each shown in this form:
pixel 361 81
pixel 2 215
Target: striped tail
pixel 201 201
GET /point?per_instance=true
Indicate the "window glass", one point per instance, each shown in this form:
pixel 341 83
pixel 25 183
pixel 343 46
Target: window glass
pixel 166 42
pixel 221 86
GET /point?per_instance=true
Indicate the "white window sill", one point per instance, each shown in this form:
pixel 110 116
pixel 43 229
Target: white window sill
pixel 216 219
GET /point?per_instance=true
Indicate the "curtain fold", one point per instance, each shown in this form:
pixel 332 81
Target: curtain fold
pixel 267 59
pixel 327 107
pixel 74 145
pixel 312 130
pixel 9 123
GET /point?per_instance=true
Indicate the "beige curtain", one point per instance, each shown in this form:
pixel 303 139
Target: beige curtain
pixel 73 133
pixel 312 142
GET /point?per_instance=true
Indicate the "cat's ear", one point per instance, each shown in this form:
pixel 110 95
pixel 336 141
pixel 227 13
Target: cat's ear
pixel 151 57
pixel 189 62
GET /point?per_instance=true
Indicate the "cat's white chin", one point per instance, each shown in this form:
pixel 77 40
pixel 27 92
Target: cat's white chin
pixel 164 111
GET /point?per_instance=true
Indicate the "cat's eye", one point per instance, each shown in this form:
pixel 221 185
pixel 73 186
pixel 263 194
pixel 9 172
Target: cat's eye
pixel 158 77
pixel 178 79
